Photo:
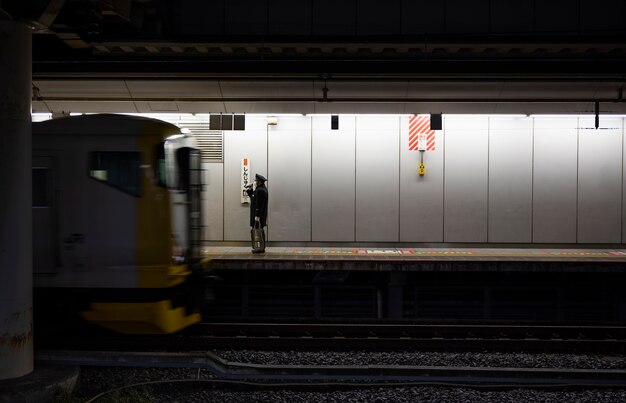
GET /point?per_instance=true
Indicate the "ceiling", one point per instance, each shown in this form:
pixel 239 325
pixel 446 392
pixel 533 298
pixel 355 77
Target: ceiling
pixel 324 56
pixel 340 96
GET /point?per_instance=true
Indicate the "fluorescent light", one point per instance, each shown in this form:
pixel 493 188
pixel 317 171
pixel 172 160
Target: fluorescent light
pixel 509 116
pixel 271 114
pixel 40 116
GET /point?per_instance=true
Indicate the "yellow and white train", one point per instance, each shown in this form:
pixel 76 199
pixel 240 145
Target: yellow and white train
pixel 117 222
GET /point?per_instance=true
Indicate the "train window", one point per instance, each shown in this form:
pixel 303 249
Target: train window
pixel 41 187
pixel 120 169
pixel 160 166
pixel 182 159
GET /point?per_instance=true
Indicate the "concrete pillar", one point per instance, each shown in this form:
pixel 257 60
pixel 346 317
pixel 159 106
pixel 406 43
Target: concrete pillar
pixel 16 272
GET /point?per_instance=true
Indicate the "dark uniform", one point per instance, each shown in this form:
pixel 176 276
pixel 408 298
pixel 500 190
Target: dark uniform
pixel 258 203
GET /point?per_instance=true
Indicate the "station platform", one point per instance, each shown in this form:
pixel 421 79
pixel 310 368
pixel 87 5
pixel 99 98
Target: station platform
pixel 469 282
pixel 408 254
pixel 418 259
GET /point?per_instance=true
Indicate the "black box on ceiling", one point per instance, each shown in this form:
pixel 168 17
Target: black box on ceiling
pixel 435 121
pixel 334 122
pixel 240 122
pixel 227 122
pixel 215 122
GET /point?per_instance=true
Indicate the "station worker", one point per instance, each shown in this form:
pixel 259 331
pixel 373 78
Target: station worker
pixel 258 203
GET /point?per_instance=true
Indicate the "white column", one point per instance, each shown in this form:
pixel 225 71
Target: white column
pixel 16 274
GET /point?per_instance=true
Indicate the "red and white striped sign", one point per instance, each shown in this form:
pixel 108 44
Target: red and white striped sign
pixel 420 124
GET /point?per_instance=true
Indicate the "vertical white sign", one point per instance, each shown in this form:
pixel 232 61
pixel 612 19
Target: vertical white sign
pixel 421 141
pixel 245 180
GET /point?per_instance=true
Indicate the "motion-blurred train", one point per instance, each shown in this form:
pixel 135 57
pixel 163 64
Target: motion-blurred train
pixel 116 222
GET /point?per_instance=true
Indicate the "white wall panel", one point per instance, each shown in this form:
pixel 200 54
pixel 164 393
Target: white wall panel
pixel 600 181
pixel 213 201
pixel 289 180
pixel 466 166
pixel 377 178
pixel 496 179
pixel 555 180
pixel 623 182
pixel 421 196
pixel 251 143
pixel 510 179
pixel 333 179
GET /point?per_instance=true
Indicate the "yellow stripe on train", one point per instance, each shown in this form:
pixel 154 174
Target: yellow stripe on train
pixel 140 318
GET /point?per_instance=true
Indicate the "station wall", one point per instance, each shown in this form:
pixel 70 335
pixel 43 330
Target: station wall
pixel 495 179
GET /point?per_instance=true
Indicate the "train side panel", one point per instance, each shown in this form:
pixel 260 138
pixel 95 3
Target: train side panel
pixel 89 225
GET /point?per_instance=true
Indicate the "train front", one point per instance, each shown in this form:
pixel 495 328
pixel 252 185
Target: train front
pixel 116 223
pixel 169 226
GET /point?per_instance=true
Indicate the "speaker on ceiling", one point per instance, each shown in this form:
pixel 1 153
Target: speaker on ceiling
pixel 435 121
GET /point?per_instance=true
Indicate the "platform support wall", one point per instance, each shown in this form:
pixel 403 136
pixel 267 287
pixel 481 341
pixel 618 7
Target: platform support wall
pixel 16 275
pixel 395 293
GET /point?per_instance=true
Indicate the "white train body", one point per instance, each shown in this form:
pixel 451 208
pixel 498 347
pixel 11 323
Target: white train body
pixel 116 203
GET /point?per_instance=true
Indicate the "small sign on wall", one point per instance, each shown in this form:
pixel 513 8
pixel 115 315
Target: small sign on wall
pixel 245 180
pixel 421 141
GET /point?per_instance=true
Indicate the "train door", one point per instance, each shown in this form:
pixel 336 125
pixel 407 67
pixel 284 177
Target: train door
pixel 190 182
pixel 195 204
pixel 46 243
pixel 179 168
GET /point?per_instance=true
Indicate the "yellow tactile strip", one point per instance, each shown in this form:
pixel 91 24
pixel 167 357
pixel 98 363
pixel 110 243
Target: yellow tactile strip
pixel 239 252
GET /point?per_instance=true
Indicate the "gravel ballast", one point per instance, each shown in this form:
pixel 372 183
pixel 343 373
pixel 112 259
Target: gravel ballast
pixel 95 380
pixel 437 359
pixel 201 387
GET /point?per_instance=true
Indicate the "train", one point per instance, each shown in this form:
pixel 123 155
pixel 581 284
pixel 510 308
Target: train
pixel 117 223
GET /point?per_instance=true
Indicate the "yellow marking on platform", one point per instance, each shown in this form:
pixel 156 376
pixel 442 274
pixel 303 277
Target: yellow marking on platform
pixel 417 254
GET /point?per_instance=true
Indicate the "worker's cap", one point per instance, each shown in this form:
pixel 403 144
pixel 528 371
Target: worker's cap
pixel 260 177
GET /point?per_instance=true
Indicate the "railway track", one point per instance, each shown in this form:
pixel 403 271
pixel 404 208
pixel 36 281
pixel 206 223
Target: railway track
pixel 415 330
pixel 505 338
pixel 190 350
pixel 598 339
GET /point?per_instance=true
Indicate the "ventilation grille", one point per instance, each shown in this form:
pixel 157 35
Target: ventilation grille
pixel 210 142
